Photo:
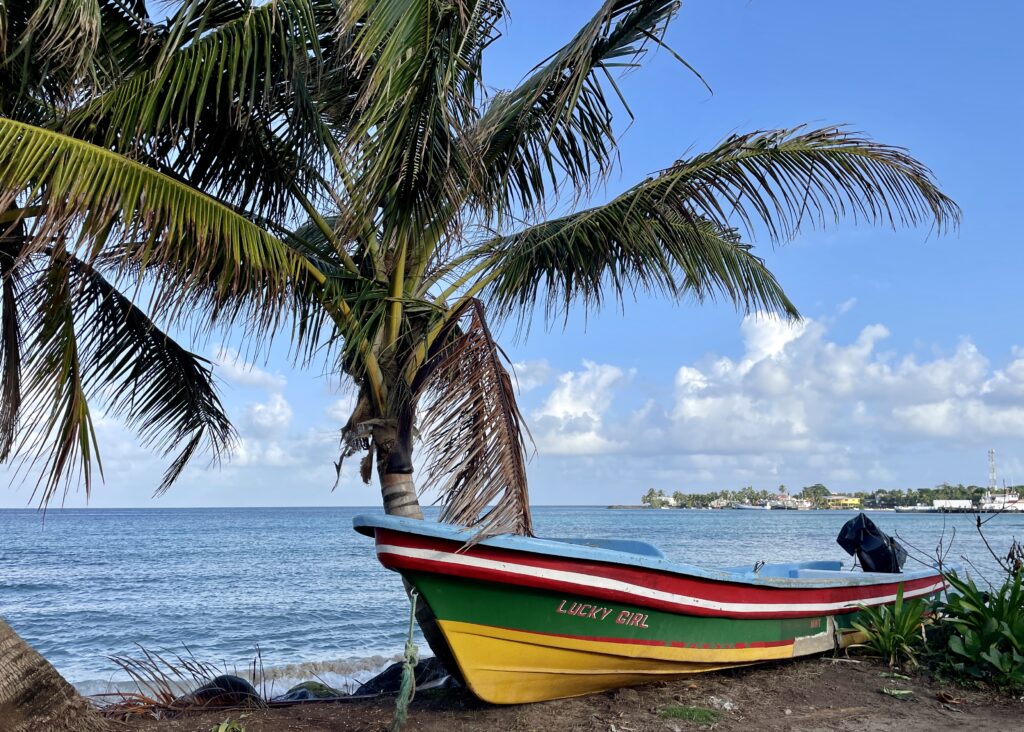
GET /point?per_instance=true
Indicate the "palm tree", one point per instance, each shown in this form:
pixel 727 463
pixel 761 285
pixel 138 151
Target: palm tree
pixel 443 193
pixel 33 696
pixel 140 162
pixel 144 166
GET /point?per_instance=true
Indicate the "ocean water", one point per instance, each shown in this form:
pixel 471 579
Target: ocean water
pixel 299 583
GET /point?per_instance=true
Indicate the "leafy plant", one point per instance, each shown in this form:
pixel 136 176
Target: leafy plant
pixel 228 725
pixel 988 635
pixel 894 632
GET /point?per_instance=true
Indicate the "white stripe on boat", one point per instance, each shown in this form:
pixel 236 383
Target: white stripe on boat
pixel 587 581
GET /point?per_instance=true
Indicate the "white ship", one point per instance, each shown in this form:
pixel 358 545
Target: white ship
pixel 1006 501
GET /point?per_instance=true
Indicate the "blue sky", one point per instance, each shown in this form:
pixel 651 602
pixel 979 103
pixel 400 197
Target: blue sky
pixel 910 364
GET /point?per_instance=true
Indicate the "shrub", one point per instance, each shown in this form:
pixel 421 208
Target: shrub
pixel 894 632
pixel 988 629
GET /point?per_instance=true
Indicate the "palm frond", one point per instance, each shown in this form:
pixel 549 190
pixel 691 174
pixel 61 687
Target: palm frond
pixel 226 105
pixel 56 424
pixel 674 234
pixel 35 71
pixel 419 61
pixel 91 343
pixel 618 250
pixel 558 122
pixel 162 390
pixel 128 40
pixel 109 205
pixel 780 178
pixel 63 35
pixel 4 27
pixel 474 431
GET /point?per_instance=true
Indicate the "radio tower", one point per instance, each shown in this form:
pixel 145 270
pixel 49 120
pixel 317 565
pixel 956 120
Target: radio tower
pixel 992 471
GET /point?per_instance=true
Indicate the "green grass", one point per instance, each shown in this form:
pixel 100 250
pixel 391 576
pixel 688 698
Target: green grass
pixel 691 714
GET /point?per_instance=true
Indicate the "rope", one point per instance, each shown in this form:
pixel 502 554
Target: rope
pixel 407 690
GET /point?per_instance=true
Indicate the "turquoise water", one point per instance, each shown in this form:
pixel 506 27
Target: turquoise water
pixel 86 584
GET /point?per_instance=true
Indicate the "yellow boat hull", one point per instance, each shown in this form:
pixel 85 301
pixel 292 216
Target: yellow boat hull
pixel 503 666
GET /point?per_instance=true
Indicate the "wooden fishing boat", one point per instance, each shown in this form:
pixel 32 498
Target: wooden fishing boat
pixel 535 619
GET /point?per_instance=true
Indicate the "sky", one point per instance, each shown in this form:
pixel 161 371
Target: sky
pixel 908 366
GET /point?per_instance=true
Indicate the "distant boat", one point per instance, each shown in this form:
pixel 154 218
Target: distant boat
pixel 750 507
pixel 995 503
pixel 534 619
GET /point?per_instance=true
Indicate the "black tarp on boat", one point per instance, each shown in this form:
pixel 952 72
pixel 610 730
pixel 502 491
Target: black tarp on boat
pixel 876 550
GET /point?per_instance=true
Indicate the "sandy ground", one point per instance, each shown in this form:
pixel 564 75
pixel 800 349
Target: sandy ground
pixel 811 694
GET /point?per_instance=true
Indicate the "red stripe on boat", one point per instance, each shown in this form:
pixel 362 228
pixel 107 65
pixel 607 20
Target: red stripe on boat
pixel 701 589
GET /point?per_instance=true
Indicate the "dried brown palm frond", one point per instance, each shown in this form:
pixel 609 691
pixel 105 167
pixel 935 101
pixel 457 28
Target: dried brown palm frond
pixel 475 432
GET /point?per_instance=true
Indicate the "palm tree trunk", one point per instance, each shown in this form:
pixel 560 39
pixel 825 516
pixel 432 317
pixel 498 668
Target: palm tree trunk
pixel 399 493
pixel 398 489
pixel 34 696
pixel 393 443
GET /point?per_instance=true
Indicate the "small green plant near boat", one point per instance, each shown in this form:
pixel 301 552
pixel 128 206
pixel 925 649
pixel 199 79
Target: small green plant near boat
pixel 697 715
pixel 894 632
pixel 987 629
pixel 228 725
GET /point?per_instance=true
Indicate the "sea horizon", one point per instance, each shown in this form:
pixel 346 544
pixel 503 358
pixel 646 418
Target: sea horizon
pixel 305 589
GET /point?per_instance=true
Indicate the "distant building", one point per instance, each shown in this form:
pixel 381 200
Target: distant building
pixel 952 505
pixel 842 501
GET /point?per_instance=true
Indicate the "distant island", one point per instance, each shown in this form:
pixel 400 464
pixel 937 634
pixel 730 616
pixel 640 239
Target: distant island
pixel 944 497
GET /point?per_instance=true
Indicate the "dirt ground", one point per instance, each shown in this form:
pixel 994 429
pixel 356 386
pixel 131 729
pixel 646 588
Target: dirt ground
pixel 811 694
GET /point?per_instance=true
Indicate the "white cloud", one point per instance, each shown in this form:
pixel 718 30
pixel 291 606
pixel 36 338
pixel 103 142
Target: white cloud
pixel 796 390
pixel 766 336
pixel 529 375
pixel 796 403
pixel 571 419
pixel 230 365
pixel 270 417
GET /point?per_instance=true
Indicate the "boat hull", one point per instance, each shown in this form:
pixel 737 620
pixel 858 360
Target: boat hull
pixel 515 645
pixel 531 620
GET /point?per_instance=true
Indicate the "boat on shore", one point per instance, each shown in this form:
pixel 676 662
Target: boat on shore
pixel 530 619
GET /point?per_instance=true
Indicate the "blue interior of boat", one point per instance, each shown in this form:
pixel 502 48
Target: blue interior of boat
pixel 791 569
pixel 641 554
pixel 631 546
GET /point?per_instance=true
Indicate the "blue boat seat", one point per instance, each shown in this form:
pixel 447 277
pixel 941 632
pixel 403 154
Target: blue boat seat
pixel 629 546
pixel 824 569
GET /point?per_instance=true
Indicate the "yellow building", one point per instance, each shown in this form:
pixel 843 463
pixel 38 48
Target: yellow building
pixel 842 502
